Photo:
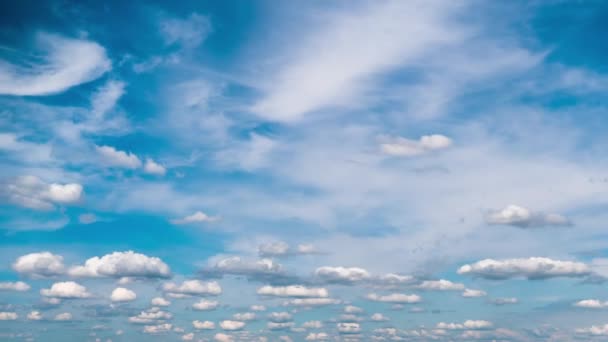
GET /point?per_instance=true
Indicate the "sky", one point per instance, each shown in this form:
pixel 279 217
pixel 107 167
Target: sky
pixel 303 170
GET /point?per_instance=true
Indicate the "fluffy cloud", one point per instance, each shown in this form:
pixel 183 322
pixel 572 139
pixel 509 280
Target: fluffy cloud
pixel 317 337
pixel 266 270
pixel 282 249
pixel 116 158
pixel 469 324
pixel 395 298
pixel 188 337
pixel 293 291
pixel 14 286
pixel 194 288
pixel 594 330
pixel 121 294
pixel 257 308
pixel 591 304
pixel 197 217
pixel 312 325
pixel 378 317
pixel 206 325
pixel 311 302
pixel 232 325
pixel 153 168
pixel 150 316
pixel 8 316
pixel 397 146
pixel 531 268
pixel 64 316
pixel 66 290
pixel 279 325
pixel 158 329
pixel 205 305
pixel 505 301
pixel 440 285
pixel 66 63
pixel 244 316
pixel 279 317
pixel 515 215
pixel 34 316
pixel 348 328
pixel 122 264
pixel 220 337
pixel 31 192
pixel 470 293
pixel 351 309
pixel 341 274
pixel 160 301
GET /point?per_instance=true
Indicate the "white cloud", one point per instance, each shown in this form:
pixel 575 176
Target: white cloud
pixel 515 215
pixel 280 317
pixel 244 316
pixel 8 316
pixel 14 286
pixel 31 192
pixel 591 304
pixel 194 288
pixel 64 316
pixel 220 337
pixel 293 291
pixel 158 329
pixel 395 298
pixel 160 301
pixel 397 146
pixel 121 294
pixel 341 274
pixel 471 293
pixel 349 328
pixel 66 290
pixel 312 325
pixel 594 330
pixel 311 302
pixel 105 99
pixel 282 249
pixel 317 336
pixel 43 264
pixel 351 309
pixel 505 301
pixel 188 33
pixel 150 316
pixel 66 63
pixel 440 285
pixel 205 305
pixel 469 324
pixel 257 308
pixel 256 268
pixel 188 337
pixel 378 317
pixel 205 325
pixel 232 325
pixel 34 316
pixel 356 47
pixel 116 158
pixel 531 268
pixel 30 152
pixel 279 325
pixel 197 217
pixel 122 264
pixel 153 168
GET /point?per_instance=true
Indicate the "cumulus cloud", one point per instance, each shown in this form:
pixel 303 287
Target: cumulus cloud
pixel 244 316
pixel 266 270
pixel 232 325
pixel 349 328
pixel 14 286
pixel 594 330
pixel 308 302
pixel 440 285
pixel 34 316
pixel 312 325
pixel 521 217
pixel 341 274
pixel 66 290
pixel 197 217
pixel 65 63
pixel 470 293
pixel 257 308
pixel 8 316
pixel 469 324
pixel 279 325
pixel 591 304
pixel 505 301
pixel 282 249
pixel 203 325
pixel 150 316
pixel 395 298
pixel 32 192
pixel 154 168
pixel 121 294
pixel 317 336
pixel 351 309
pixel 193 288
pixel 378 317
pixel 205 305
pixel 122 264
pixel 530 268
pixel 220 337
pixel 158 329
pixel 64 316
pixel 115 158
pixel 293 291
pixel 402 147
pixel 160 301
pixel 280 317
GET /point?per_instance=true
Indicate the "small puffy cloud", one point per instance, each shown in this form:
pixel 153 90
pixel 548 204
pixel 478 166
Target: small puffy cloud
pixel 266 270
pixel 341 274
pixel 282 249
pixel 14 286
pixel 8 316
pixel 115 158
pixel 591 304
pixel 279 317
pixel 189 32
pixel 349 328
pixel 194 288
pixel 378 317
pixel 66 290
pixel 158 329
pixel 317 337
pixel 197 217
pixel 153 168
pixel 121 294
pixel 531 268
pixel 257 308
pixel 351 309
pixel 122 264
pixel 312 325
pixel 395 298
pixel 65 316
pixel 160 301
pixel 244 316
pixel 232 325
pixel 394 279
pixel 32 192
pixel 65 63
pixel 279 325
pixel 308 302
pixel 514 215
pixel 440 285
pixel 87 218
pixel 505 301
pixel 203 325
pixel 205 305
pixel 220 337
pixel 34 316
pixel 594 330
pixel 402 147
pixel 188 337
pixel 470 293
pixel 150 316
pixel 293 291
pixel 469 324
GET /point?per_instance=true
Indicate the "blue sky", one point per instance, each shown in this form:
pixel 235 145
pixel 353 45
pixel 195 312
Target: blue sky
pixel 303 171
